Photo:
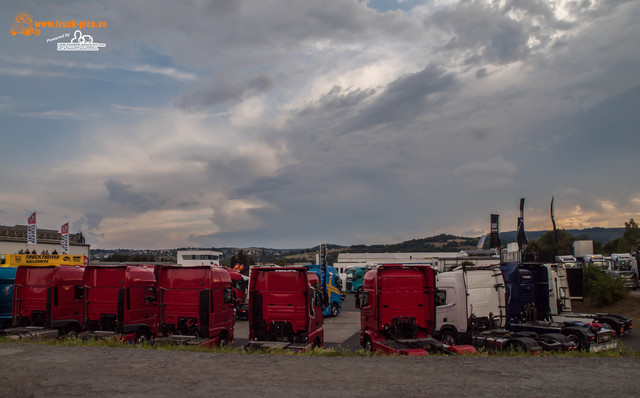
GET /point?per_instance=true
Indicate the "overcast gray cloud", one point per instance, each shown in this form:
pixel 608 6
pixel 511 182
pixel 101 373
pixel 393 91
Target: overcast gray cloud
pixel 224 92
pixel 282 124
pixel 124 194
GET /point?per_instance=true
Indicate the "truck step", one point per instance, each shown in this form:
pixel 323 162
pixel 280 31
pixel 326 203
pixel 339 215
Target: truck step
pixel 30 333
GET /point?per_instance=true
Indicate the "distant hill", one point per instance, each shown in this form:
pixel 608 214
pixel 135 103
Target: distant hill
pixel 597 234
pixel 438 243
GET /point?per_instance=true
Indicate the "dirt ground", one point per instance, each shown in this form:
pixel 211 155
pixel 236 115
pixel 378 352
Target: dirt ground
pixel 628 306
pixel 31 370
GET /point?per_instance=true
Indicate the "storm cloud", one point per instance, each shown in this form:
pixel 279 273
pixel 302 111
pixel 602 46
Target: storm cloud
pixel 283 124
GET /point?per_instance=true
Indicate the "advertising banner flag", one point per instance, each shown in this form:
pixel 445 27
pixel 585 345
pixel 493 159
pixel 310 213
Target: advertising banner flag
pixel 522 237
pixel 64 237
pixel 32 230
pixel 555 231
pixel 494 237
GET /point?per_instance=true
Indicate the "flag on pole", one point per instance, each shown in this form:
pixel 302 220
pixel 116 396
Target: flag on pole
pixel 494 237
pixel 32 230
pixel 64 237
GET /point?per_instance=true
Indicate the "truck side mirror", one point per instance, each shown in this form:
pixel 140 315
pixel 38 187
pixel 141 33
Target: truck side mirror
pixel 357 300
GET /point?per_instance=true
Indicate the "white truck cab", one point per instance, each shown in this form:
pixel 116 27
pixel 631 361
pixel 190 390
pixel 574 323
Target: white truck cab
pixel 470 297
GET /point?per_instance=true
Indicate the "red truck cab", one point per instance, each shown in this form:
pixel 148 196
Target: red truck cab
pixel 49 297
pixel 397 311
pixel 196 305
pixel 121 300
pixel 285 309
pixel 239 286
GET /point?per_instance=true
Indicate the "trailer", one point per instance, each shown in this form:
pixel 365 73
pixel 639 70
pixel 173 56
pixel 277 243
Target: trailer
pixel 285 309
pixel 472 309
pixel 47 302
pixel 397 312
pixel 121 301
pixel 196 305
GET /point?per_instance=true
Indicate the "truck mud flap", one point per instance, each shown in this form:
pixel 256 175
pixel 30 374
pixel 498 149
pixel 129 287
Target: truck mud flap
pixel 203 312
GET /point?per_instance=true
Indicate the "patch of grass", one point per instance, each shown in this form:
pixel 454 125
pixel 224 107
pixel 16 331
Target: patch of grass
pixel 320 352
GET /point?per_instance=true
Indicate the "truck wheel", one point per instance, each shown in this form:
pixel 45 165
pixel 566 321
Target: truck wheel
pixel 575 339
pixel 334 309
pixel 72 332
pixel 316 343
pixel 142 336
pixel 366 344
pixel 223 340
pixel 448 337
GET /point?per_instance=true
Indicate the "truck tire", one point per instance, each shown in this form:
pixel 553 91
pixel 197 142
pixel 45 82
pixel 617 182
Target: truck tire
pixel 366 344
pixel 72 331
pixel 143 336
pixel 576 339
pixel 334 310
pixel 449 337
pixel 223 340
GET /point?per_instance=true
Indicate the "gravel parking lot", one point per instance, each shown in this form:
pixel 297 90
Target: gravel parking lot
pixel 31 370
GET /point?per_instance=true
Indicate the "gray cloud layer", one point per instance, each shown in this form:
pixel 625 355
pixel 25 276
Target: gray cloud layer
pixel 237 123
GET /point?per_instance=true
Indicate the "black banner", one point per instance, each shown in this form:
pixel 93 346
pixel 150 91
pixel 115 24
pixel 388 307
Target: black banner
pixel 555 232
pixel 494 237
pixel 522 238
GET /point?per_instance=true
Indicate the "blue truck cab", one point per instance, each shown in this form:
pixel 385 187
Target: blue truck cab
pixel 7 279
pixel 333 305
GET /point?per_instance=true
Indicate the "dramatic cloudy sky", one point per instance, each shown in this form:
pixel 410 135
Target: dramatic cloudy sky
pixel 285 123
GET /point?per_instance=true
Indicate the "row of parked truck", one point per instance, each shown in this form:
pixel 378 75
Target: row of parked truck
pixel 131 302
pixel 409 309
pixel 405 309
pixel 185 305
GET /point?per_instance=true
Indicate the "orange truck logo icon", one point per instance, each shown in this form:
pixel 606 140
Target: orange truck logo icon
pixel 24 25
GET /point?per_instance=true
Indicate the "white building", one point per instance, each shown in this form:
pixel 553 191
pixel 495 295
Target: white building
pixel 440 261
pixel 192 258
pixel 14 240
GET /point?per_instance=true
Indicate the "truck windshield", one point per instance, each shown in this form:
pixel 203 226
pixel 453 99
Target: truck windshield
pixel 350 275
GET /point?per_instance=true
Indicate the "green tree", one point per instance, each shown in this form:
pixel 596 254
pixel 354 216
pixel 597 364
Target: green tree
pixel 544 245
pixel 600 287
pixel 631 237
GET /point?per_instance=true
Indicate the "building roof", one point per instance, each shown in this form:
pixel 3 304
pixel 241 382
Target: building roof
pixel 18 233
